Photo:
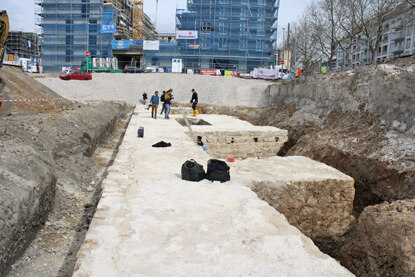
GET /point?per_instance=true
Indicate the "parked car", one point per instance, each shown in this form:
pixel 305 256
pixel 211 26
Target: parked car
pixel 76 75
pixel 132 69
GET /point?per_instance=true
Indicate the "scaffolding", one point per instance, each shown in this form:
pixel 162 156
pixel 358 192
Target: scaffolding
pixel 26 45
pixel 71 27
pixel 237 35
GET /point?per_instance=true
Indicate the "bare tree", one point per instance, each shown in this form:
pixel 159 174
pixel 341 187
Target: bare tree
pixel 326 27
pixel 410 2
pixel 372 15
pixel 303 44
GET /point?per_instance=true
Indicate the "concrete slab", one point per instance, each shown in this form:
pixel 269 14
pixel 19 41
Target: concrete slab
pixel 149 222
pixel 228 136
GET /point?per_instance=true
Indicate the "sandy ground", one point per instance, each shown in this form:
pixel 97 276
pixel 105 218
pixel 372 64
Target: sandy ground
pixel 215 90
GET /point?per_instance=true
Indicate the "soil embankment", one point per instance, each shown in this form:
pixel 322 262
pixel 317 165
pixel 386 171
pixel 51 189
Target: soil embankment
pixel 46 170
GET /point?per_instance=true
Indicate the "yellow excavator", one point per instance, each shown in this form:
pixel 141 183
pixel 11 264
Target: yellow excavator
pixel 4 31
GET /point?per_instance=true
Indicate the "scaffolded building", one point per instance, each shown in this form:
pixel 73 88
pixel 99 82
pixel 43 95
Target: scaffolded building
pixel 234 35
pixel 69 28
pixel 26 45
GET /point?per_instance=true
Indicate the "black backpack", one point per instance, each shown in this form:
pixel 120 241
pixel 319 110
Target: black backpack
pixel 162 97
pixel 217 171
pixel 192 171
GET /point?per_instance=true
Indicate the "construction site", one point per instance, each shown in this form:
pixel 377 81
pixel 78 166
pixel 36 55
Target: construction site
pixel 317 173
pixel 321 176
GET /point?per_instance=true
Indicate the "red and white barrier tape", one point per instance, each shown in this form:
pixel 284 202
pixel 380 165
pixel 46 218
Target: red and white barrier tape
pixel 40 99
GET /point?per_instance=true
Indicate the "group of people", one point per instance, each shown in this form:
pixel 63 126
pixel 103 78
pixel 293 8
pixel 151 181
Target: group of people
pixel 167 98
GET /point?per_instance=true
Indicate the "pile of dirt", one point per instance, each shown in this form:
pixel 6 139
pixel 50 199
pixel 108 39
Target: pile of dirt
pixel 19 86
pixel 46 174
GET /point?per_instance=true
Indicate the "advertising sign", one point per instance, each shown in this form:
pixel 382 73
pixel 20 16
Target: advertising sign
pixel 263 73
pixel 126 44
pixel 231 73
pixel 208 72
pixel 108 29
pixel 186 34
pixel 193 46
pixel 151 45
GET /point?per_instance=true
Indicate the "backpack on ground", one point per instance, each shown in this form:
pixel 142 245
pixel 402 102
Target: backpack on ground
pixel 218 171
pixel 192 171
pixel 140 132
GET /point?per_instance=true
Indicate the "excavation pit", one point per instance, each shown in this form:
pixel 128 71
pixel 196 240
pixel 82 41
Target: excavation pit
pixel 193 121
pixel 150 222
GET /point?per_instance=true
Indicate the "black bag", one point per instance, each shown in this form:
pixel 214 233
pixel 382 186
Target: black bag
pixel 162 144
pixel 140 132
pixel 192 171
pixel 218 171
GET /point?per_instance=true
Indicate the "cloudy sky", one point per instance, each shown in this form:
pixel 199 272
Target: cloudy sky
pixel 21 13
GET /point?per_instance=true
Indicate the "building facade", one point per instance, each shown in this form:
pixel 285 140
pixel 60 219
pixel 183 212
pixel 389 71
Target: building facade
pixel 398 40
pixel 237 35
pixel 24 45
pixel 69 28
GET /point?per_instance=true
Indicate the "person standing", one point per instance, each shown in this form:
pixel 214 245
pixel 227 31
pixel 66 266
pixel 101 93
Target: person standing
pixel 145 98
pixel 168 100
pixel 194 102
pixel 162 100
pixel 154 101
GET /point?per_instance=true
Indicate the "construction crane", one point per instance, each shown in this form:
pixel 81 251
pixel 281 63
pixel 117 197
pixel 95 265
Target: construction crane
pixel 138 20
pixel 4 31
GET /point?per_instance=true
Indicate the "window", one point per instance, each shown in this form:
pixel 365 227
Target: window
pixel 258 44
pixel 260 28
pixel 206 28
pixel 243 12
pixel 93 27
pixel 223 42
pixel 69 40
pixel 243 27
pixel 408 43
pixel 68 26
pixel 242 44
pixel 261 2
pixel 244 1
pixel 93 40
pixel 68 55
pixel 222 11
pixel 222 28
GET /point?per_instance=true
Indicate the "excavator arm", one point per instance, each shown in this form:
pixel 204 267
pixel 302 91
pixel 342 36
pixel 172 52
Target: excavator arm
pixel 4 31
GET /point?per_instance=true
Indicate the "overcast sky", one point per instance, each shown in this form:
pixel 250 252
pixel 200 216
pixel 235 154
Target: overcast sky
pixel 21 13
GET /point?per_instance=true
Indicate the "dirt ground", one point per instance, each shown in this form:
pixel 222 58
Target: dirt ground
pixel 57 153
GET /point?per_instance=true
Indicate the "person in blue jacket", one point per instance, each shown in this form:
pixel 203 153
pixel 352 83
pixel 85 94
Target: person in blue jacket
pixel 154 101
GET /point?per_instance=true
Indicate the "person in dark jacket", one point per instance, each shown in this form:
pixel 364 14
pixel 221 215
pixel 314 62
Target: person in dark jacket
pixel 194 102
pixel 168 101
pixel 162 100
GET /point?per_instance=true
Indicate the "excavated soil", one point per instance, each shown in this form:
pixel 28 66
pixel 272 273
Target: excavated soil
pixel 51 180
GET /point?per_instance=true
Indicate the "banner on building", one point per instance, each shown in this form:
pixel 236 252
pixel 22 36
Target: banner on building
pixel 193 46
pixel 151 45
pixel 231 73
pixel 108 29
pixel 186 34
pixel 263 73
pixel 210 72
pixel 126 44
